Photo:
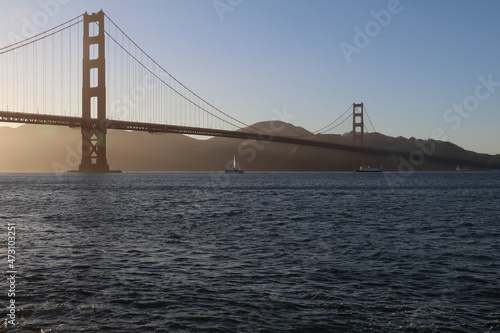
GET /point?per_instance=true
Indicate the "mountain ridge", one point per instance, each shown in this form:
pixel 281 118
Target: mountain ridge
pixel 46 148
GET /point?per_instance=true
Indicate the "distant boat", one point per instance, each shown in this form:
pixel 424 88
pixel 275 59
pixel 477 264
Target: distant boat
pixel 235 167
pixel 462 169
pixel 368 169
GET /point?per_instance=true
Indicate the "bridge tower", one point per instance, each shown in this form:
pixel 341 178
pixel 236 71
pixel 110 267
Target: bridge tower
pixel 358 125
pixel 94 127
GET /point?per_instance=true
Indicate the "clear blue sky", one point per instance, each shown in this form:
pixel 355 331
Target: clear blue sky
pixel 252 56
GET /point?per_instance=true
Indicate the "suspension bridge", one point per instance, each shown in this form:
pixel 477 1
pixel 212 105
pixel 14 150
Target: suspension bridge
pixel 89 74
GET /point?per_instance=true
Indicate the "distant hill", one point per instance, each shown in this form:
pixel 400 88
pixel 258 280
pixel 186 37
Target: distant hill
pixel 42 148
pixel 279 127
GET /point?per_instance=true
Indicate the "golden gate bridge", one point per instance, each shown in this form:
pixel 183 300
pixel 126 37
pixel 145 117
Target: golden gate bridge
pixel 62 77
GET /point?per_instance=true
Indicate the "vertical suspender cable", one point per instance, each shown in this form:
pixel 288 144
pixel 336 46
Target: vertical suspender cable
pixel 53 53
pixel 44 78
pixel 128 84
pixel 35 105
pixel 79 85
pixel 14 82
pixel 24 79
pixel 115 83
pixel 2 89
pixel 61 69
pixel 70 111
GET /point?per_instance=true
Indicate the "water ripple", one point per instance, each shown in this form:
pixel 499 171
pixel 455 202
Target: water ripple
pixel 306 252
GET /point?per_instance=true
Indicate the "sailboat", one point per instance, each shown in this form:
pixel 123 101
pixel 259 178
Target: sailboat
pixel 235 167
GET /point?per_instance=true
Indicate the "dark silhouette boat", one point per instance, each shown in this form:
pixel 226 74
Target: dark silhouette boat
pixel 368 169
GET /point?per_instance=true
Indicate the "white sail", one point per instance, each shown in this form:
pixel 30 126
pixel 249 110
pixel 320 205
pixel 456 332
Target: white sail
pixel 235 167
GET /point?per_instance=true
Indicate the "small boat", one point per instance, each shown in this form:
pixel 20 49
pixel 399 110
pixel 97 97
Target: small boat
pixel 462 169
pixel 368 169
pixel 235 167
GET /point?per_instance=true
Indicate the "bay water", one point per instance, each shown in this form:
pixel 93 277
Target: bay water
pixel 252 252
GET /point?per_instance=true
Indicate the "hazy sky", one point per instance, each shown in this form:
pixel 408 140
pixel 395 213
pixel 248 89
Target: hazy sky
pixel 420 67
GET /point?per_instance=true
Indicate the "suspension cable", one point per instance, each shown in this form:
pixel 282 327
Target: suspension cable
pixel 321 130
pixel 337 125
pixel 39 36
pixel 369 119
pixel 177 81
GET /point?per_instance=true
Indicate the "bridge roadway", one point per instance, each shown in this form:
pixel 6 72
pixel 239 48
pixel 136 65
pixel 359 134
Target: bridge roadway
pixel 29 118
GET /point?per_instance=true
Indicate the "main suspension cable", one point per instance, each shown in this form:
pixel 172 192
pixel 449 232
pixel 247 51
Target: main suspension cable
pixel 321 130
pixel 176 81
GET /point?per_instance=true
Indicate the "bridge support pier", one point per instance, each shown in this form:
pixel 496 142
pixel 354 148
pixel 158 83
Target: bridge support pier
pixel 93 150
pixel 94 127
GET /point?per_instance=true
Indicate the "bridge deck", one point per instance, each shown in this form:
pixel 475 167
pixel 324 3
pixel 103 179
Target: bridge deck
pixel 27 118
